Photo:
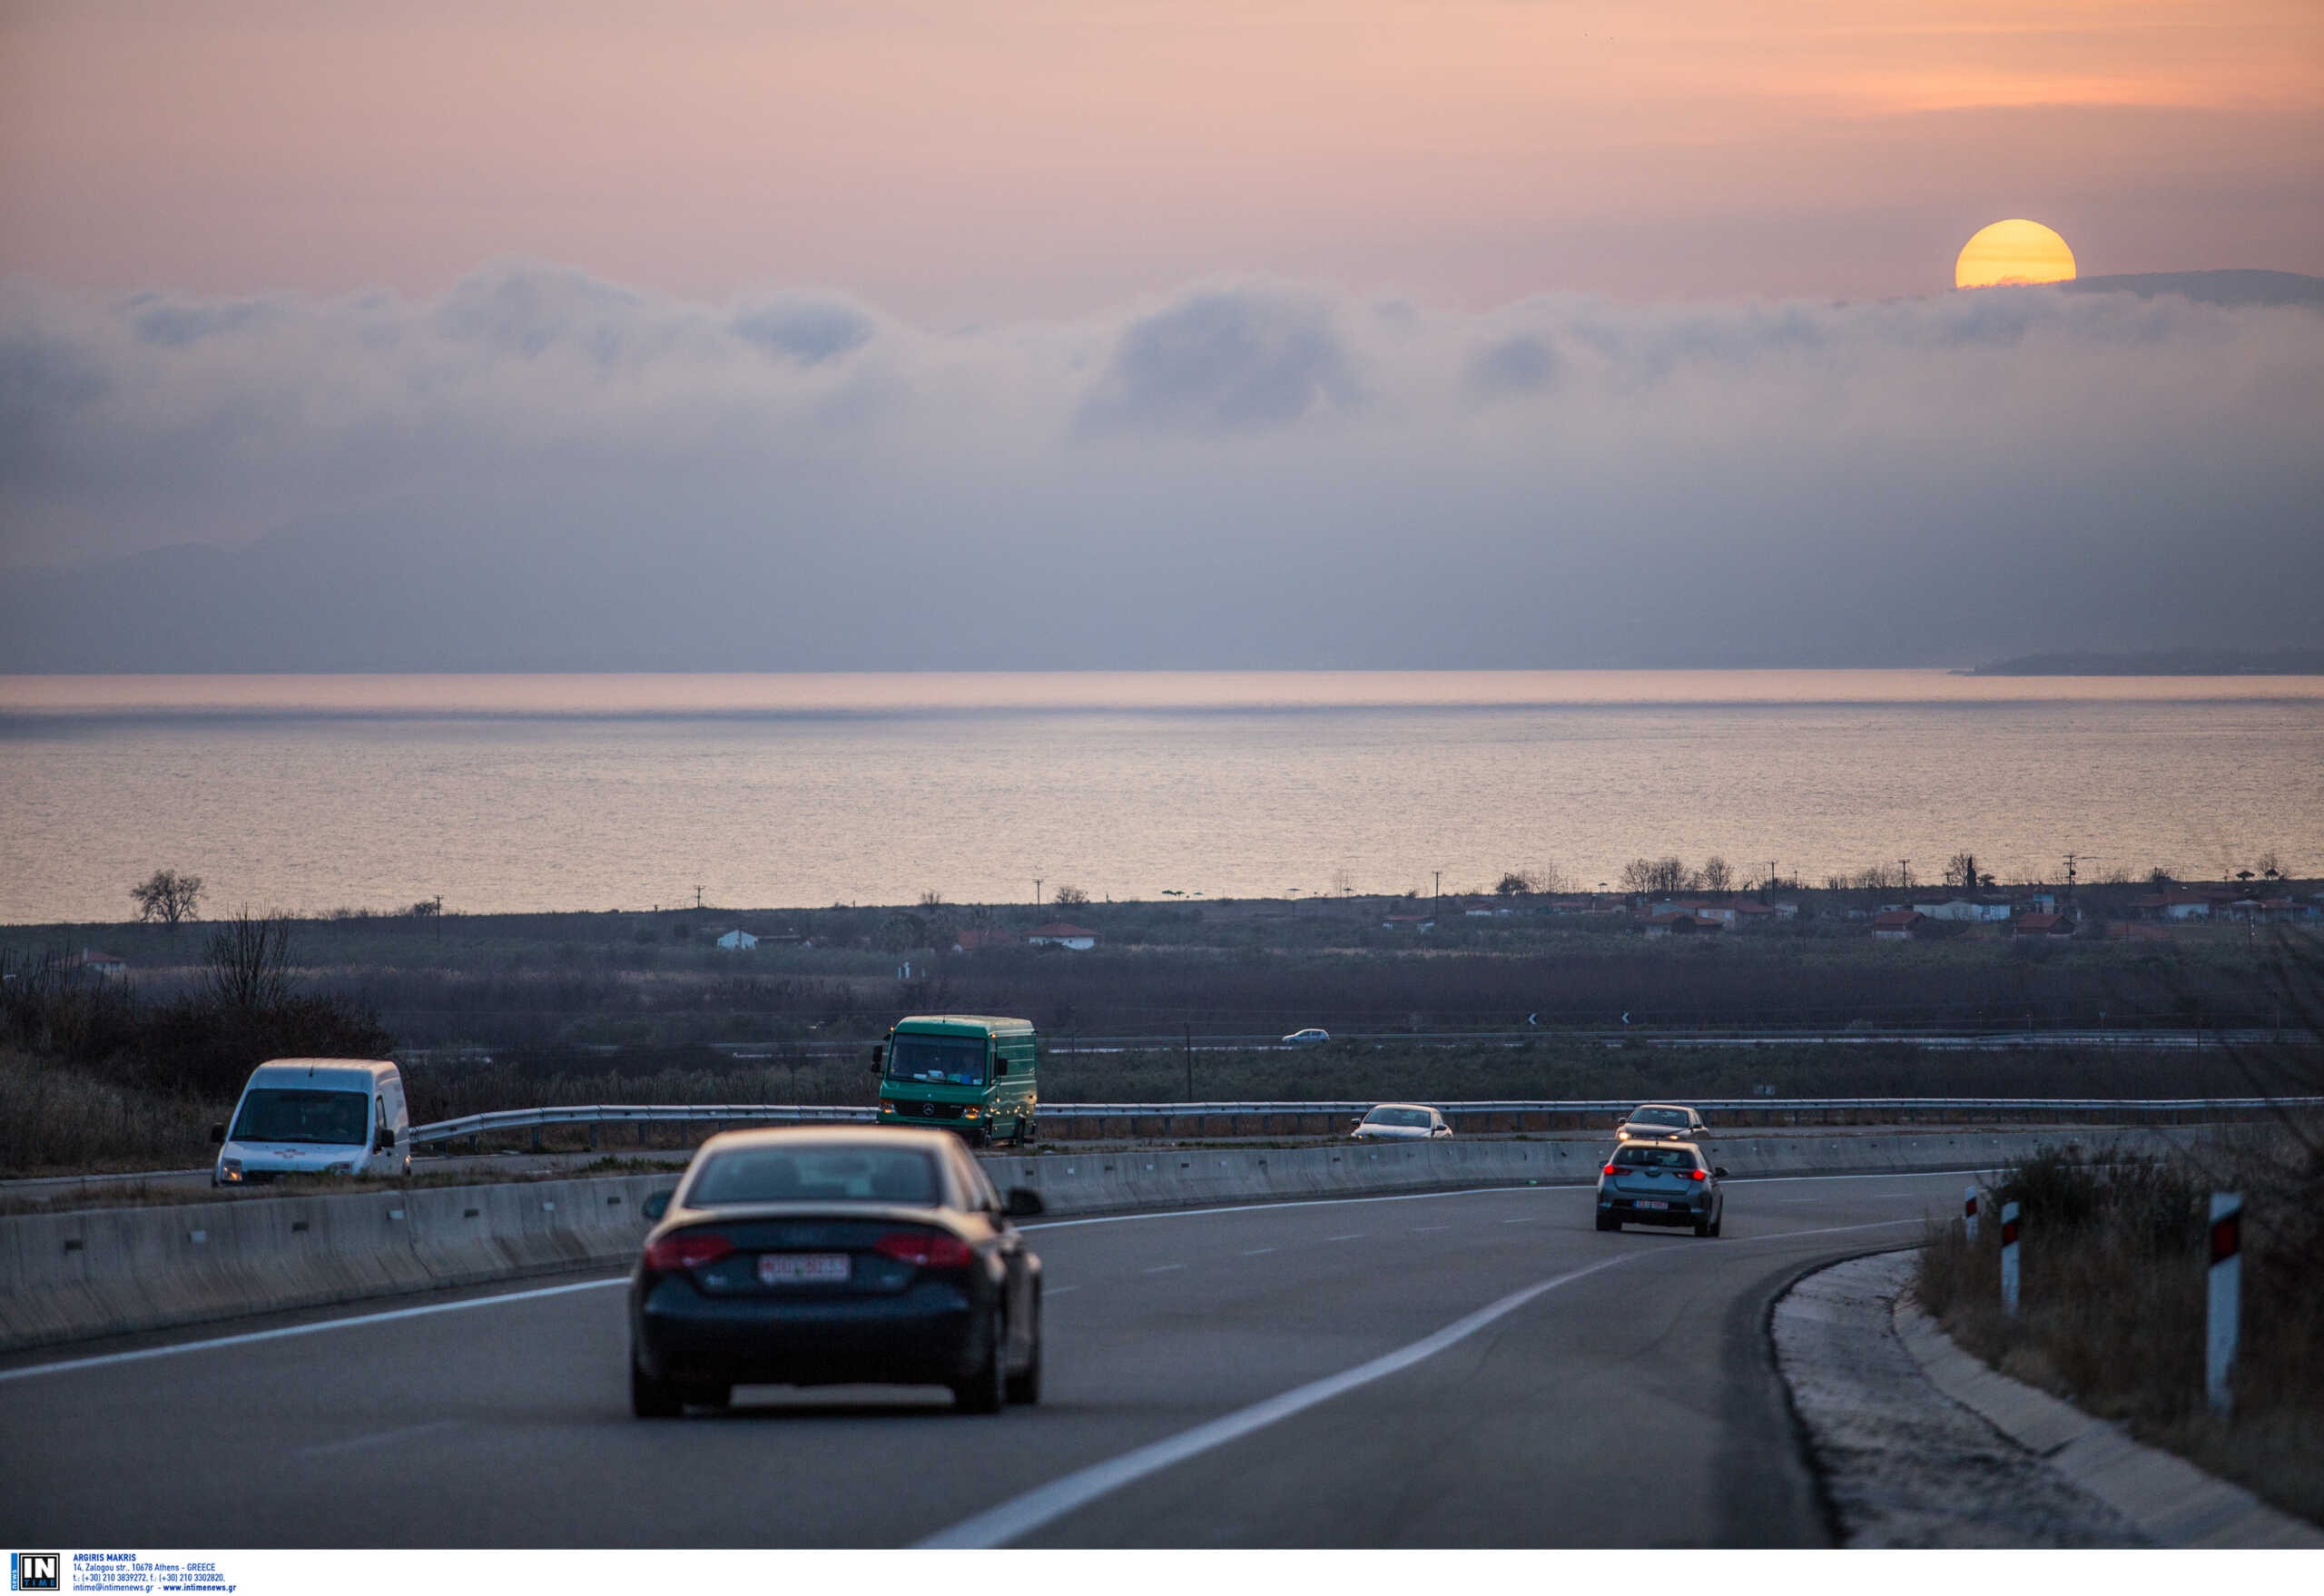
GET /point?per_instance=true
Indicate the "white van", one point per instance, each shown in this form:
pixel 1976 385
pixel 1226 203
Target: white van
pixel 315 1116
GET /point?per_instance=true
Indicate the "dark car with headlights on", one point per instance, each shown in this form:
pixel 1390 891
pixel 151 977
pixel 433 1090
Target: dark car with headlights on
pixel 834 1257
pixel 1660 1122
pixel 1660 1183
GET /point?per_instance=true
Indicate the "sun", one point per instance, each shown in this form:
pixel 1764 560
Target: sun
pixel 2012 252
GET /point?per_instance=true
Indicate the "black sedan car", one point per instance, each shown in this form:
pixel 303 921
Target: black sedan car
pixel 834 1257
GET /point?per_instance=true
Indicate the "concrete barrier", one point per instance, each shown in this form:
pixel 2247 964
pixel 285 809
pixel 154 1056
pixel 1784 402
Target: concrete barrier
pixel 71 1276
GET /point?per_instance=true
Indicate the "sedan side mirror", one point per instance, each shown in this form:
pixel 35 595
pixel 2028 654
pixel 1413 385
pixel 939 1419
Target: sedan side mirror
pixel 1023 1203
pixel 657 1205
pixel 1718 1172
pixel 218 1134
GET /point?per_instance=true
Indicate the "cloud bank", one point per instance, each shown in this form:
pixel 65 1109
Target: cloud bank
pixel 543 470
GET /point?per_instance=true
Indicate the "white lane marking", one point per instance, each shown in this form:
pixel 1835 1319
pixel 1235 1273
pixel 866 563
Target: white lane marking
pixel 1528 1220
pixel 379 1438
pixel 1162 1269
pixel 248 1336
pixel 1022 1515
pixel 1419 1229
pixel 1406 1197
pixel 1351 1235
pixel 1058 1290
pixel 1550 1184
pixel 476 1302
pixel 1255 1251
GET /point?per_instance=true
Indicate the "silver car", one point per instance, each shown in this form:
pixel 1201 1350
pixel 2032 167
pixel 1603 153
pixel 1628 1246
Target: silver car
pixel 1660 1122
pixel 1401 1122
pixel 1660 1183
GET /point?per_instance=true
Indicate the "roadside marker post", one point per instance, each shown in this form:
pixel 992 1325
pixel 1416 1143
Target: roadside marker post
pixel 2009 1259
pixel 1969 1211
pixel 2224 1327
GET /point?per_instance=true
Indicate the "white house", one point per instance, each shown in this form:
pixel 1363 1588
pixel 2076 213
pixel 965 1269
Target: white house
pixel 1979 910
pixel 106 965
pixel 1080 939
pixel 737 942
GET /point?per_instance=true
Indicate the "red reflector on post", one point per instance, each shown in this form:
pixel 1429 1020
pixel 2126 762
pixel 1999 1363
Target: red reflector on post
pixel 924 1249
pixel 686 1249
pixel 2008 1232
pixel 2227 1236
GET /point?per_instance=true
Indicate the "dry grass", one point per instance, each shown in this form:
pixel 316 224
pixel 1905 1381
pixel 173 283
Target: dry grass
pixel 58 1118
pixel 2112 1301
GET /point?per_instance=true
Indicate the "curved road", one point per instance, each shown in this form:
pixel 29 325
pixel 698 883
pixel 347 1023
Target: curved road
pixel 1465 1369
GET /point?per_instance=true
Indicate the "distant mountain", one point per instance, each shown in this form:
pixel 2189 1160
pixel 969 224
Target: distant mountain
pixel 2210 288
pixel 2164 662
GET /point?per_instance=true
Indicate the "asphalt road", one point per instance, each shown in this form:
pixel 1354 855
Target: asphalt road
pixel 1467 1369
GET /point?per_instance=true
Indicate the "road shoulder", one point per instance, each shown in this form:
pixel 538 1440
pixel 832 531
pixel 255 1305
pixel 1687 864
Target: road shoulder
pixel 2171 1500
pixel 1902 1463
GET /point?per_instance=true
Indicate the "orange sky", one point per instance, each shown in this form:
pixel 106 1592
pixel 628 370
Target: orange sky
pixel 960 162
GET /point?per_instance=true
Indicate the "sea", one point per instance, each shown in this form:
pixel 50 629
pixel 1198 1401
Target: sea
pixel 311 793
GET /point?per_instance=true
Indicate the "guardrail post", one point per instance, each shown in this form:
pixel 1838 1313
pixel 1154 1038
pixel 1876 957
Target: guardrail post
pixel 593 1135
pixel 1969 1211
pixel 2224 1327
pixel 2009 1259
pixel 537 1138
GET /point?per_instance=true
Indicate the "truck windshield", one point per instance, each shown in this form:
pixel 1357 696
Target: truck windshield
pixel 274 1114
pixel 957 1060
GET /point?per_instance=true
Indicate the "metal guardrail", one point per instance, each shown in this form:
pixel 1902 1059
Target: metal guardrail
pixel 595 1114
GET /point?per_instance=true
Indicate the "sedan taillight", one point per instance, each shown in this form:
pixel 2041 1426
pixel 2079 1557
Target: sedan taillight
pixel 686 1249
pixel 1609 1169
pixel 924 1249
pixel 1698 1174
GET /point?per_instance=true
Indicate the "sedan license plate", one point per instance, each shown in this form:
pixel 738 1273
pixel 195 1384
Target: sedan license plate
pixel 1644 1203
pixel 800 1268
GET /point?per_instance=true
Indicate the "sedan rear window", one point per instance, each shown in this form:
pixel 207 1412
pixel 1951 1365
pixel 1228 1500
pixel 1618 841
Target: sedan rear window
pixel 1659 1116
pixel 815 1175
pixel 1655 1158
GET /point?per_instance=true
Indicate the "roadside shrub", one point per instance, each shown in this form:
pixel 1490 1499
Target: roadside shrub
pixel 2113 1296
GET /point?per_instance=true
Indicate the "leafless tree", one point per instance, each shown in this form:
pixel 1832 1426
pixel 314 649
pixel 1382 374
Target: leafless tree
pixel 1068 897
pixel 1961 871
pixel 246 963
pixel 167 896
pixel 931 899
pixel 1716 875
pixel 1549 877
pixel 1512 883
pixel 1344 881
pixel 1667 874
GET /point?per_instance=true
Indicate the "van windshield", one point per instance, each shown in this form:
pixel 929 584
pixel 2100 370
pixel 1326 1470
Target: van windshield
pixel 957 1060
pixel 1405 1118
pixel 271 1114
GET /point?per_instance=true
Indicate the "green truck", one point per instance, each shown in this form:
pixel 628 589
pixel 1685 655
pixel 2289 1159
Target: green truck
pixel 970 1073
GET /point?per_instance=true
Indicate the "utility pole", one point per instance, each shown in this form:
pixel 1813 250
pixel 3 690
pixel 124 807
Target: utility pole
pixel 1438 914
pixel 1190 1062
pixel 697 895
pixel 1037 891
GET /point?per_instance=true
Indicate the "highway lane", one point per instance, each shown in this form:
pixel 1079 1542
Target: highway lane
pixel 1631 1401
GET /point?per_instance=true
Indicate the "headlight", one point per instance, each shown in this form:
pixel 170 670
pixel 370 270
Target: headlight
pixel 230 1168
pixel 967 1113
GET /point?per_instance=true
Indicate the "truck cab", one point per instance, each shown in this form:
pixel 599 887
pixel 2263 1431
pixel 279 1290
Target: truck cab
pixel 974 1074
